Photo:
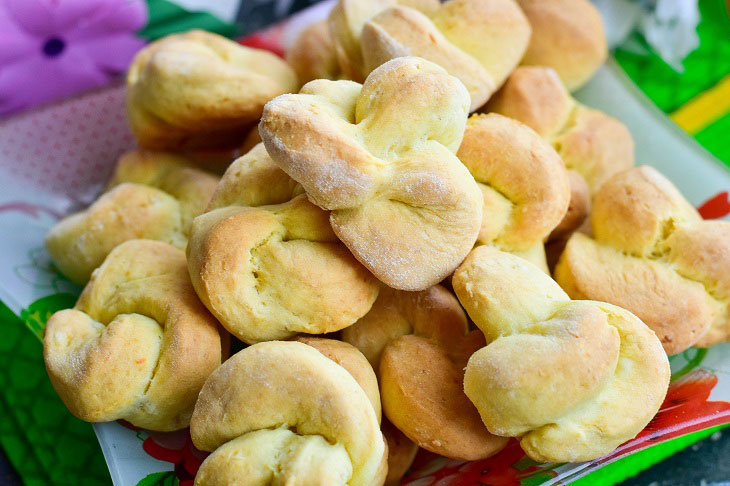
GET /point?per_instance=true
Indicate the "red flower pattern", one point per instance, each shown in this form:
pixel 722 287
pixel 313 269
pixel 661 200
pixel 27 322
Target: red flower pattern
pixel 685 410
pixel 716 207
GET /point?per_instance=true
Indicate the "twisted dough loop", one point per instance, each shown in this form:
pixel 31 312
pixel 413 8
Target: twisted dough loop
pixel 433 313
pixel 589 141
pixel 653 255
pixel 400 199
pixel 350 358
pixel 259 228
pixel 524 184
pixel 346 21
pixel 281 411
pixel 137 345
pixel 254 180
pixel 452 35
pixel 238 255
pixel 312 54
pixel 568 36
pixel 556 372
pixel 224 84
pixel 152 195
pixel 424 341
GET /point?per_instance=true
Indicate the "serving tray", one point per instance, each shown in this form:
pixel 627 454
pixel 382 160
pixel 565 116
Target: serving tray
pixel 55 160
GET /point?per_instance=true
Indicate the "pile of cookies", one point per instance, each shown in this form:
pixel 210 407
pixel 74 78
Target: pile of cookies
pixel 380 247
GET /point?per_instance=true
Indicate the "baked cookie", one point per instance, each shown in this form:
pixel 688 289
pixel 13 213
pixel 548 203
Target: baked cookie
pixel 281 412
pixel 138 345
pixel 380 156
pixel 523 181
pixel 312 54
pixel 350 358
pixel 266 262
pixel 201 90
pixel 152 195
pixel 420 342
pixel 346 21
pixel 589 141
pixel 652 254
pixel 568 36
pixel 571 379
pixel 453 36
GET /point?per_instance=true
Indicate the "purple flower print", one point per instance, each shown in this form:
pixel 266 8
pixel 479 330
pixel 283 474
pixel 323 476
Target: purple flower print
pixel 53 48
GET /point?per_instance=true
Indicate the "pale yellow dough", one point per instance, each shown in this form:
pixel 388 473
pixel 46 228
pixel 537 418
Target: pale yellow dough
pixel 571 379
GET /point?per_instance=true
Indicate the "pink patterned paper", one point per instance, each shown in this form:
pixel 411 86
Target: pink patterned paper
pixel 70 147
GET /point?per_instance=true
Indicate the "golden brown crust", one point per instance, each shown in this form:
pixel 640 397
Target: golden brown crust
pixel 270 272
pixel 677 310
pixel 400 199
pixel 578 209
pixel 474 25
pixel 568 36
pixel 399 31
pixel 556 372
pixel 589 141
pixel 224 84
pixel 346 21
pixel 422 394
pixel 312 54
pixel 328 434
pixel 350 358
pixel 525 185
pixel 421 378
pixel 651 255
pixel 254 180
pixel 453 37
pixel 536 97
pixel 152 195
pixel 266 262
pixel 595 145
pixel 170 173
pixel 433 313
pixel 637 209
pixel 138 344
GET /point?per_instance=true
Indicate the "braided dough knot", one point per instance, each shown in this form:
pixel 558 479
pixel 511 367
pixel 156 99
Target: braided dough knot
pixel 571 379
pixel 283 413
pixel 654 255
pixel 138 345
pixel 380 156
pixel 223 85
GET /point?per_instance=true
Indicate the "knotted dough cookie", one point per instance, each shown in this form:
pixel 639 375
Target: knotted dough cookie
pixel 401 451
pixel 571 379
pixel 653 254
pixel 420 342
pixel 525 186
pixel 380 156
pixel 138 345
pixel 346 21
pixel 152 195
pixel 282 413
pixel 312 54
pixel 589 141
pixel 568 36
pixel 350 358
pixel 198 89
pixel 266 262
pixel 460 36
